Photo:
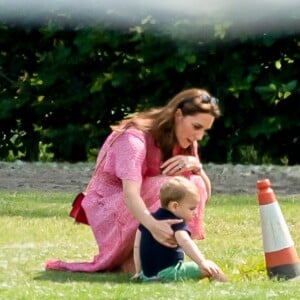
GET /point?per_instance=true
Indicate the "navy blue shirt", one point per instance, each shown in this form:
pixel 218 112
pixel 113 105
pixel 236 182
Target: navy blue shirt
pixel 155 256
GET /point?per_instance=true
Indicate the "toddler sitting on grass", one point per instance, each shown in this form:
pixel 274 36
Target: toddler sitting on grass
pixel 154 262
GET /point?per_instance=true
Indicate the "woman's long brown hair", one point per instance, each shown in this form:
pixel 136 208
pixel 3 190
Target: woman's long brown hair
pixel 160 122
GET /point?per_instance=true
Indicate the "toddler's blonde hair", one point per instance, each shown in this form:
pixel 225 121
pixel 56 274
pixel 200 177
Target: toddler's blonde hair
pixel 177 189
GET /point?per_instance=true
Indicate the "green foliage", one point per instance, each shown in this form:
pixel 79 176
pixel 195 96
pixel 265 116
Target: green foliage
pixel 64 85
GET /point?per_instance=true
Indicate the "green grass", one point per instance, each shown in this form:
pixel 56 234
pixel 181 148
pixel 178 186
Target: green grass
pixel 35 227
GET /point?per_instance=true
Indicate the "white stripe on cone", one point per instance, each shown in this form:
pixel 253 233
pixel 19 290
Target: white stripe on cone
pixel 276 235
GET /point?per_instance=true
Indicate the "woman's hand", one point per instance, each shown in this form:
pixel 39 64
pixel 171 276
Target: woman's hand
pixel 180 163
pixel 163 232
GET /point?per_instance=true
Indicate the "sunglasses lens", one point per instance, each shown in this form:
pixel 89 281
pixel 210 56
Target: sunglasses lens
pixel 214 101
pixel 206 98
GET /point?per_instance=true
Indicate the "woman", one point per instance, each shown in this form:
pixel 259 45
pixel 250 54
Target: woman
pixel 140 155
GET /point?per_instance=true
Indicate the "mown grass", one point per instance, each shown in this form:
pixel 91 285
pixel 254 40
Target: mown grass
pixel 35 227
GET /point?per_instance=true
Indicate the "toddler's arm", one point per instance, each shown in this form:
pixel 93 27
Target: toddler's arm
pixel 207 267
pixel 136 255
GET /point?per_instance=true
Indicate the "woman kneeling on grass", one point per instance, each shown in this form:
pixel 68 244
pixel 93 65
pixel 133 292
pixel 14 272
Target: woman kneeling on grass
pixel 141 153
pixel 179 199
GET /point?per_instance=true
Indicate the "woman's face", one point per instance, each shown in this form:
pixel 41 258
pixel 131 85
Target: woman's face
pixel 191 128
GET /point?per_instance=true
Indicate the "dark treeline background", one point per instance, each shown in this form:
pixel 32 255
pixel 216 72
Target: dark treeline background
pixel 64 81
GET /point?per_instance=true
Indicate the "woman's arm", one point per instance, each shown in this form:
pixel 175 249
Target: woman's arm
pixel 199 171
pixel 161 230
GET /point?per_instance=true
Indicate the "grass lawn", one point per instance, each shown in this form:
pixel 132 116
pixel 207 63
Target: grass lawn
pixel 35 227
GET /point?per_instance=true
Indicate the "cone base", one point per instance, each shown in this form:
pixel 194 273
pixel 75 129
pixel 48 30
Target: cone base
pixel 287 271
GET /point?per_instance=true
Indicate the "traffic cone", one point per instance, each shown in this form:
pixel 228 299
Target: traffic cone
pixel 281 258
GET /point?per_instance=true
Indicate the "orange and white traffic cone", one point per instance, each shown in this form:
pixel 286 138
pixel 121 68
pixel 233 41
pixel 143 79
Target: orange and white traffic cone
pixel 281 258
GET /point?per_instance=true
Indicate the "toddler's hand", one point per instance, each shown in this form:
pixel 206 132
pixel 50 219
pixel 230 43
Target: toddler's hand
pixel 213 271
pixel 136 276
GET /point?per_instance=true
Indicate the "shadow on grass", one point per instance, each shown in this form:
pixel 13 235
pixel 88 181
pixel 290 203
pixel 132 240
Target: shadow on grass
pixel 61 277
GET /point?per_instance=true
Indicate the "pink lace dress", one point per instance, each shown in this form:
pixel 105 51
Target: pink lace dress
pixel 132 156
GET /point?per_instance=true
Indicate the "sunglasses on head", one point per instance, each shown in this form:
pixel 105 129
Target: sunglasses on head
pixel 209 99
pixel 205 98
